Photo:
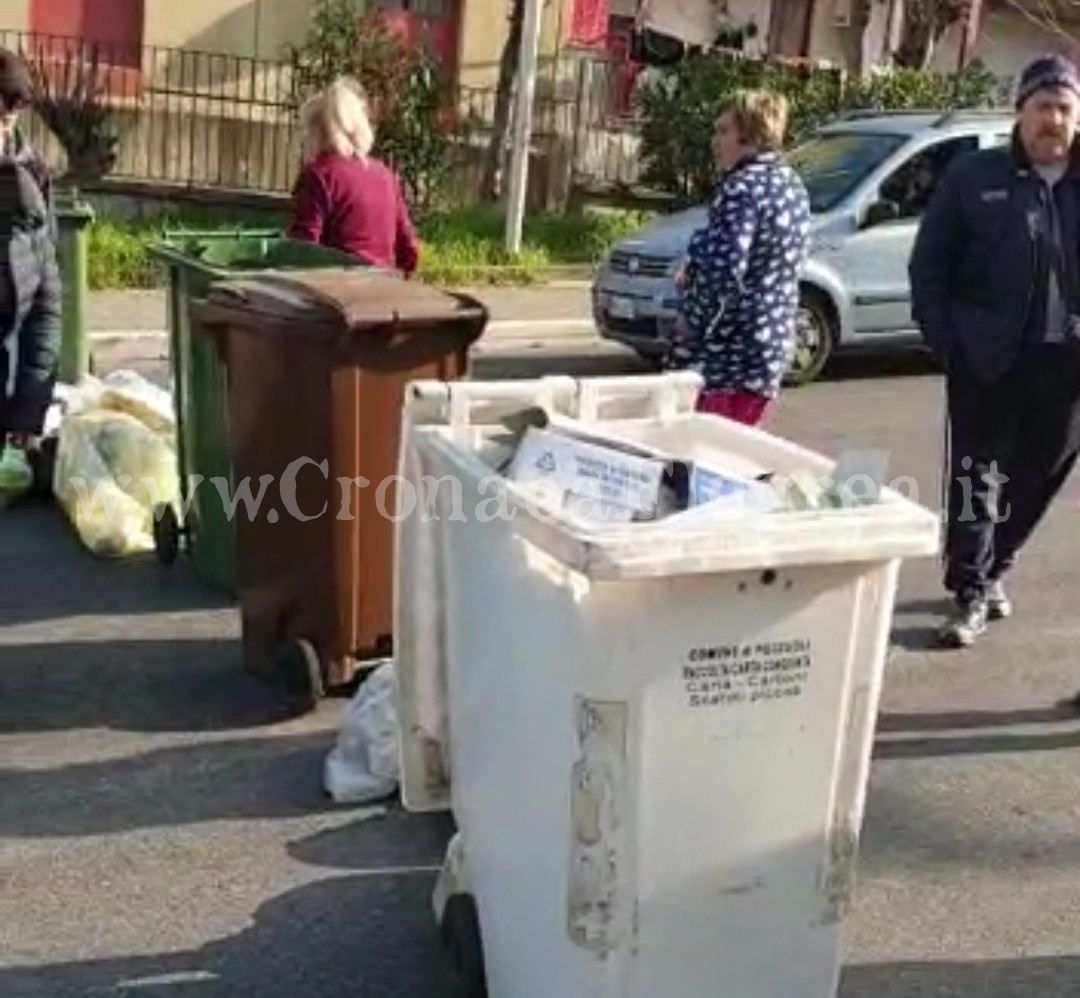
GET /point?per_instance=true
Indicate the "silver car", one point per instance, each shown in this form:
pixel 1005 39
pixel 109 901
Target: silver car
pixel 869 176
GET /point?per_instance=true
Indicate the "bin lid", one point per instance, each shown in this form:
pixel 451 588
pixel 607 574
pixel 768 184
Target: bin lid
pixel 335 301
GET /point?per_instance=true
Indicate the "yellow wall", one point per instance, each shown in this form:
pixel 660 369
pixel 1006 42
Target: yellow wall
pixel 237 27
pixel 14 15
pixel 263 27
pixel 827 42
pixel 484 25
pixel 1007 42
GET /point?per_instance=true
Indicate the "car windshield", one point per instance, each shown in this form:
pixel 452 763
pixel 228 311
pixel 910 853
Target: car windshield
pixel 833 165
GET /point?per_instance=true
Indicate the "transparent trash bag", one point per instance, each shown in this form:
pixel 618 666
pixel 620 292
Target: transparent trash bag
pixel 128 391
pixel 112 470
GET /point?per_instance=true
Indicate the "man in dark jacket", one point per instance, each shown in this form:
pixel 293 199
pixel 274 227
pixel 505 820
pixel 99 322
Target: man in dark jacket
pixel 30 292
pixel 995 282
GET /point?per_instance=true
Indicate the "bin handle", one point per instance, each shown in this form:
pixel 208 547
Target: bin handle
pixel 664 396
pixel 549 392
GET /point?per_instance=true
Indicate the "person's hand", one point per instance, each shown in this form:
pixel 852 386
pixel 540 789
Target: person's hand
pixel 28 442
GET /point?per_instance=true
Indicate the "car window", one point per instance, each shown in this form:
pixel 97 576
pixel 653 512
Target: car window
pixel 911 185
pixel 834 164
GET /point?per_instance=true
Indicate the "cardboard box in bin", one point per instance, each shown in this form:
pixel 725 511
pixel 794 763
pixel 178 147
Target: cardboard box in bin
pixel 599 482
pixel 612 481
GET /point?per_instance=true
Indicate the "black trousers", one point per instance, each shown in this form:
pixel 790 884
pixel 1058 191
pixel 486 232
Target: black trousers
pixel 1011 447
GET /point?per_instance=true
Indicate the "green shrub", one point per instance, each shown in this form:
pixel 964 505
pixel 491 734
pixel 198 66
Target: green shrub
pixel 409 91
pixel 117 258
pixel 458 247
pixel 679 109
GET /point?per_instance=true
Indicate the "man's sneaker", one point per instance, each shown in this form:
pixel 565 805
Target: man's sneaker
pixel 966 625
pixel 998 604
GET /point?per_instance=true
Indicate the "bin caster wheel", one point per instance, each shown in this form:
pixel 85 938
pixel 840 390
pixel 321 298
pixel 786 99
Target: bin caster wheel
pixel 43 464
pixel 460 930
pixel 166 534
pixel 298 671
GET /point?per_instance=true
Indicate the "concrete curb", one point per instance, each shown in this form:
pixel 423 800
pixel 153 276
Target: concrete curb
pixel 501 329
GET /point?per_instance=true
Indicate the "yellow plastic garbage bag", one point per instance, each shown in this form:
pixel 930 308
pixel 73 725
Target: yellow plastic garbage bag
pixel 111 471
pixel 127 391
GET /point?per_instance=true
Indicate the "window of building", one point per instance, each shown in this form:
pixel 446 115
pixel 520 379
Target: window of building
pixel 624 71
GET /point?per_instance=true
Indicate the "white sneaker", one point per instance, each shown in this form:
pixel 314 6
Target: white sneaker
pixel 998 604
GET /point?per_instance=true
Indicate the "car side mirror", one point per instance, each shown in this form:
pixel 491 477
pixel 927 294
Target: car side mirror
pixel 880 212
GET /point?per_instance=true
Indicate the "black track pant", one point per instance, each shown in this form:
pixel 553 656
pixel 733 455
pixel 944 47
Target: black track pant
pixel 1011 447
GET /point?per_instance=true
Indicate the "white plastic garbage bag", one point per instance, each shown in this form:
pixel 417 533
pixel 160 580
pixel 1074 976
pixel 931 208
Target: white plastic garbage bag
pixel 363 766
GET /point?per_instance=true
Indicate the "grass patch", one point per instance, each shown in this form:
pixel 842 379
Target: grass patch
pixel 459 247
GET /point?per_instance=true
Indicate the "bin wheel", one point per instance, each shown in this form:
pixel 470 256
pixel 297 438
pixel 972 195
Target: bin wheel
pixel 461 938
pixel 298 671
pixel 166 533
pixel 43 463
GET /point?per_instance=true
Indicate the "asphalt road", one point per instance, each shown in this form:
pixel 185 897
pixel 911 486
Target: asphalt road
pixel 163 831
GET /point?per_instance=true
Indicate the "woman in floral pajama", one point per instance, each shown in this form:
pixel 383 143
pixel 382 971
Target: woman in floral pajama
pixel 740 285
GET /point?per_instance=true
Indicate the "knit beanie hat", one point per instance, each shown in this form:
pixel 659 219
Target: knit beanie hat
pixel 1048 71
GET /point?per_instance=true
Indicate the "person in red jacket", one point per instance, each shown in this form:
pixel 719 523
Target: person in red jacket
pixel 344 197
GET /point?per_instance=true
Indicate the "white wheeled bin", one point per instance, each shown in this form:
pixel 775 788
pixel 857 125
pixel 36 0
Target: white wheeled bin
pixel 655 737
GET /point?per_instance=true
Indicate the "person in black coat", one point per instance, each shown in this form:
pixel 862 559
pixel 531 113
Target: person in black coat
pixel 995 283
pixel 30 289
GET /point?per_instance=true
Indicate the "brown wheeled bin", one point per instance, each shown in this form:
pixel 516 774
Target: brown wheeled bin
pixel 317 363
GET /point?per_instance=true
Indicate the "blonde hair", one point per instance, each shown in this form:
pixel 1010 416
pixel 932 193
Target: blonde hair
pixel 339 116
pixel 761 117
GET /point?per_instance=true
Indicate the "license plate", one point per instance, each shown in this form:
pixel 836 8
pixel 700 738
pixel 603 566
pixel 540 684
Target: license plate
pixel 622 308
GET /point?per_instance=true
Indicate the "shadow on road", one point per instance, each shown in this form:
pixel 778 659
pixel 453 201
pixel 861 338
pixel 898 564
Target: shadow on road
pixel 997 744
pixel 1063 732
pixel 145 686
pixel 954 720
pixel 45 574
pixel 389 838
pixel 370 935
pixel 257 778
pixel 374 936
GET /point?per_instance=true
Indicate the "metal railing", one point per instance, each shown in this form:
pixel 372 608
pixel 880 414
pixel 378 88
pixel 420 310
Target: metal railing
pixel 205 119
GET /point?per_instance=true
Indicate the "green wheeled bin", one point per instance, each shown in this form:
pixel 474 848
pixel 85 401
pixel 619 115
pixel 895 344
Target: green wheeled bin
pixel 194 261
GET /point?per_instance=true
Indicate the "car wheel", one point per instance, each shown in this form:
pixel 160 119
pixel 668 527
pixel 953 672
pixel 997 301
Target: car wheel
pixel 814 340
pixel 166 527
pixel 651 361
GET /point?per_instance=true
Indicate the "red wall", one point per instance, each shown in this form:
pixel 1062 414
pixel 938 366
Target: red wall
pixel 117 25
